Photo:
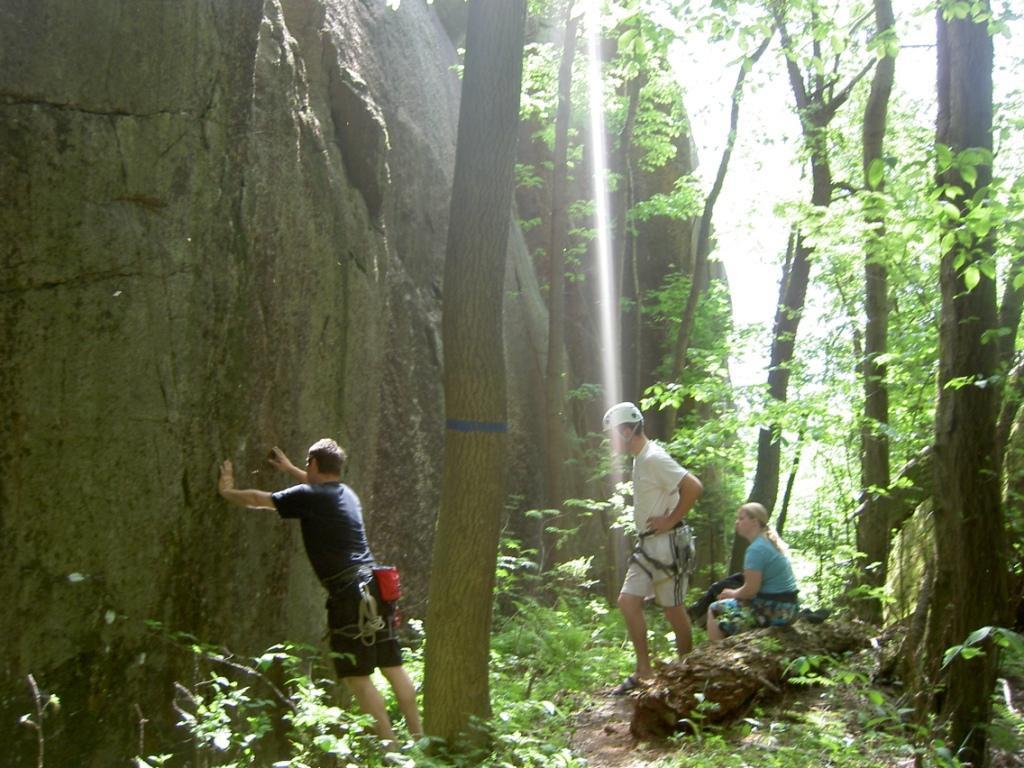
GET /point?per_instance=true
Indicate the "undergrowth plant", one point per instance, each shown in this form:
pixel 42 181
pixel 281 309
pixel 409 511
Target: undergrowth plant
pixel 553 642
pixel 277 709
pixel 555 646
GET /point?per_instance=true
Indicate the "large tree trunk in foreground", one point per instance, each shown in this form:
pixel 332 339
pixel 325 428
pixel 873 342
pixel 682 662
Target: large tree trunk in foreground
pixel 473 489
pixel 970 586
pixel 727 676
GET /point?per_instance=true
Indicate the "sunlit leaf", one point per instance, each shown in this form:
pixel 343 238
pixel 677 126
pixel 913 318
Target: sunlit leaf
pixel 876 170
pixel 969 174
pixel 978 635
pixel 972 276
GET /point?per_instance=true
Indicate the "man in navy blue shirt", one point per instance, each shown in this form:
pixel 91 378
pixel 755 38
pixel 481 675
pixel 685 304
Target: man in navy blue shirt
pixel 335 540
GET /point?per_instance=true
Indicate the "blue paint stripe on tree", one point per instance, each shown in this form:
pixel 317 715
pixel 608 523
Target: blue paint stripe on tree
pixel 461 425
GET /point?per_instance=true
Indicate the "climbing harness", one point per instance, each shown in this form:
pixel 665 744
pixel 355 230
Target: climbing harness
pixel 372 614
pixel 684 553
pixel 370 620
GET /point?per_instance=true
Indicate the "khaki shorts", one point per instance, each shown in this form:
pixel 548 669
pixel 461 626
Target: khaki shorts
pixel 644 578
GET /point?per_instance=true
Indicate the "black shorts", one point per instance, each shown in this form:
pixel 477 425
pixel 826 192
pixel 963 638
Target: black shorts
pixel 356 656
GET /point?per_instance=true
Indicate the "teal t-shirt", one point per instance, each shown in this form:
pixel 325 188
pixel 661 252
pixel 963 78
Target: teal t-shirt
pixel 777 573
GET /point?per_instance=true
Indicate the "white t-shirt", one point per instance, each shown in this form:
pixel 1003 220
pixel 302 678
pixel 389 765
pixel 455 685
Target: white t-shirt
pixel 656 478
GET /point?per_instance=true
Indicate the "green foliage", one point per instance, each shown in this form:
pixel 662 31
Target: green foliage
pixel 685 201
pixel 893 214
pixel 809 670
pixel 238 712
pixel 707 422
pixel 979 12
pixel 541 650
pixel 553 645
pixel 644 37
pixel 526 177
pixel 842 721
pixel 1001 637
pixel 540 86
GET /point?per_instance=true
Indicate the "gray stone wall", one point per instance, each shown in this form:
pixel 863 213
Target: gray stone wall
pixel 222 227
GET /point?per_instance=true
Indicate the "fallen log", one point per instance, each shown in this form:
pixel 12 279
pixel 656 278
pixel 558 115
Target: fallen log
pixel 716 681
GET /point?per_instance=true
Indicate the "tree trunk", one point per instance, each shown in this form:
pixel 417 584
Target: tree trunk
pixel 817 107
pixel 970 587
pixel 1010 403
pixel 787 495
pixel 717 682
pixel 787 321
pixel 914 483
pixel 1009 319
pixel 873 524
pixel 765 489
pixel 698 280
pixel 556 424
pixel 473 493
pixel 1013 491
pixel 623 255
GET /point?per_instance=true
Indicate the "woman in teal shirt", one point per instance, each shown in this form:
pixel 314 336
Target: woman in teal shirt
pixel 768 597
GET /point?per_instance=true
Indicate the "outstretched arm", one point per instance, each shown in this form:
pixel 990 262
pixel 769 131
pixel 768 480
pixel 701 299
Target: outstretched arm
pixel 249 498
pixel 279 461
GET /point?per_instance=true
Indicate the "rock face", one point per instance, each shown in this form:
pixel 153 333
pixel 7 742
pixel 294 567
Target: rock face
pixel 222 227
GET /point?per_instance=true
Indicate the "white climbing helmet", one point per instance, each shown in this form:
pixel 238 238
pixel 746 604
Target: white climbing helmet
pixel 623 413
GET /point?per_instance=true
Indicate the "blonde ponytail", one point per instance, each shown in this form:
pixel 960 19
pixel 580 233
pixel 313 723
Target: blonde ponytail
pixel 755 511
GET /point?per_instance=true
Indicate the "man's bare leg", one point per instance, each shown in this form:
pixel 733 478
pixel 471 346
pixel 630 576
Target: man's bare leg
pixel 680 621
pixel 405 695
pixel 632 607
pixel 372 703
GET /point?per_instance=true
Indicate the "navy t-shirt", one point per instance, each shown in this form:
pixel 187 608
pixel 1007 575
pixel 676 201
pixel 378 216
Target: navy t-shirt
pixel 332 525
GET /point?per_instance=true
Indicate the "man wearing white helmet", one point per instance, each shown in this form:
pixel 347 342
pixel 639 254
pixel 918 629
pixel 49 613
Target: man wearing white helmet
pixel 663 495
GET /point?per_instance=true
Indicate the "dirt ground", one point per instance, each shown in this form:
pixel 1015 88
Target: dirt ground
pixel 602 736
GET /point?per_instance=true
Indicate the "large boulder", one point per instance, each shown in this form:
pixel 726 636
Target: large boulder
pixel 222 227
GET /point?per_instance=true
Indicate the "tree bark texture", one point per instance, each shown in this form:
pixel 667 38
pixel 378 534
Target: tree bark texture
pixel 473 492
pixel 908 664
pixel 717 682
pixel 624 255
pixel 556 422
pixel 970 588
pixel 873 524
